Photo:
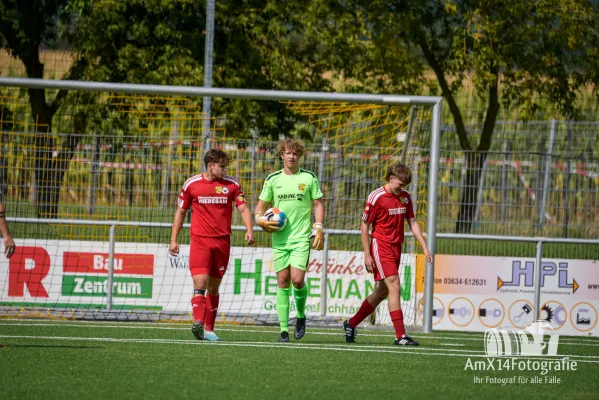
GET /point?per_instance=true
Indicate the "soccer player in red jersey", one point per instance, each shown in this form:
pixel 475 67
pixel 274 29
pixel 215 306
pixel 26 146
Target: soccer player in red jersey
pixel 386 210
pixel 211 196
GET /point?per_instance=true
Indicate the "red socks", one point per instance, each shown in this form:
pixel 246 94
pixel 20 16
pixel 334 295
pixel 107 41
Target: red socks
pixel 397 319
pixel 365 310
pixel 211 311
pixel 198 307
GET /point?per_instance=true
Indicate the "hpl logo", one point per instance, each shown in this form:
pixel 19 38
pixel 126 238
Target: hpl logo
pixel 548 269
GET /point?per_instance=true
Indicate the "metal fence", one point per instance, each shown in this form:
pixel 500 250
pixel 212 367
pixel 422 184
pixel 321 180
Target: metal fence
pixel 540 178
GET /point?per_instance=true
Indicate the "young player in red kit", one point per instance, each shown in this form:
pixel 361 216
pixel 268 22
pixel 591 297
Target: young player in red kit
pixel 211 196
pixel 386 209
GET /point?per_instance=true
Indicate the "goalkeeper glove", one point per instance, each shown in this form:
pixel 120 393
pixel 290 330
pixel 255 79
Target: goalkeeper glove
pixel 318 235
pixel 266 225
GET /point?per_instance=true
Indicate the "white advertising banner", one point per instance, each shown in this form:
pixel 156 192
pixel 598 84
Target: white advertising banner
pixel 476 293
pixel 73 274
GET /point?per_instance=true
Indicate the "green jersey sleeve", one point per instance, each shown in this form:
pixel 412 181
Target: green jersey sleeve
pixel 266 194
pixel 315 189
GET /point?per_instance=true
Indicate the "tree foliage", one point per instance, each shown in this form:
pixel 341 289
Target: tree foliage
pixel 518 54
pixel 258 44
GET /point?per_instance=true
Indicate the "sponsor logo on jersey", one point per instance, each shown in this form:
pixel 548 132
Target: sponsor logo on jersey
pixel 301 186
pixel 396 211
pixel 212 200
pixel 290 196
pixel 225 190
pixel 404 200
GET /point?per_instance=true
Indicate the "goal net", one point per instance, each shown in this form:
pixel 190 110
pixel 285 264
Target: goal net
pixel 91 197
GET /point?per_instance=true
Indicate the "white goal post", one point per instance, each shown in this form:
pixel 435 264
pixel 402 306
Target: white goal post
pixel 430 102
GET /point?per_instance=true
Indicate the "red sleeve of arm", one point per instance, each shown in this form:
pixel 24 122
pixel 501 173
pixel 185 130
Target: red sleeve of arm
pixel 238 196
pixel 410 209
pixel 369 213
pixel 184 199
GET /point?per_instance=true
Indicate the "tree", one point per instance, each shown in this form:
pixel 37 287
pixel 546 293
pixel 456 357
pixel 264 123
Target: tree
pixel 258 44
pixel 25 26
pixel 522 54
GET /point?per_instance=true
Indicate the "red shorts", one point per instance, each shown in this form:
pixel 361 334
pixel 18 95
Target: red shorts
pixel 209 256
pixel 386 257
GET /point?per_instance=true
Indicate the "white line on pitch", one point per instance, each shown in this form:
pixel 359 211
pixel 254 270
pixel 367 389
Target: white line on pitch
pixel 254 329
pixel 295 346
pixel 101 326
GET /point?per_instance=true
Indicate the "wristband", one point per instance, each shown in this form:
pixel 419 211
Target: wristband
pixel 2 214
pixel 318 226
pixel 257 217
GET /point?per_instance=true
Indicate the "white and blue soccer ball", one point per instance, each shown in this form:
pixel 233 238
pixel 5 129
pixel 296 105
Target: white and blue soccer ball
pixel 276 214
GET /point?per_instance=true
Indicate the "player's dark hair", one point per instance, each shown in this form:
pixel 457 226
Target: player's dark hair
pixel 214 156
pixel 290 145
pixel 399 171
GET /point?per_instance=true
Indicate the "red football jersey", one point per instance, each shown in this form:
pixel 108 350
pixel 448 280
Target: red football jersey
pixel 387 213
pixel 211 204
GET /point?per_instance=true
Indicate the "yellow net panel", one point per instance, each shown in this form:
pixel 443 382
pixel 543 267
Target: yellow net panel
pixel 369 135
pixel 136 146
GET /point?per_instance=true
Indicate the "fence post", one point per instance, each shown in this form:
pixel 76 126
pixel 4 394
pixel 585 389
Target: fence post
pixel 567 188
pixel 110 280
pixel 323 154
pixel 504 181
pixel 406 146
pixel 94 183
pixel 166 184
pixel 253 182
pixel 538 270
pixel 412 242
pixel 479 197
pixel 547 174
pixel 323 276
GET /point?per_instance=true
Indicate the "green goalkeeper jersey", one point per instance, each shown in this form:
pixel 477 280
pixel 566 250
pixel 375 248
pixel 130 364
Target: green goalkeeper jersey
pixel 293 194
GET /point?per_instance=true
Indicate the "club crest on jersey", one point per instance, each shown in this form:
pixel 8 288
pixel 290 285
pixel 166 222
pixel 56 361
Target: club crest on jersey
pixel 404 200
pixel 220 189
pixel 240 198
pixel 301 186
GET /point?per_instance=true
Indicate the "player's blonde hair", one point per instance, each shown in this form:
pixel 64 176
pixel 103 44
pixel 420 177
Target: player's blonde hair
pixel 291 145
pixel 399 171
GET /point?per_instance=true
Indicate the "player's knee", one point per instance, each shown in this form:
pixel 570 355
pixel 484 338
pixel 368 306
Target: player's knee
pixel 200 282
pixel 380 294
pixel 298 282
pixel 283 281
pixel 392 285
pixel 213 287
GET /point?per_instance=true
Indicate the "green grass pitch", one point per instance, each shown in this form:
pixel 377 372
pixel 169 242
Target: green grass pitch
pixel 46 359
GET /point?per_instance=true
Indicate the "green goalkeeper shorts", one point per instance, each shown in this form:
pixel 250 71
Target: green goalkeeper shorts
pixel 295 255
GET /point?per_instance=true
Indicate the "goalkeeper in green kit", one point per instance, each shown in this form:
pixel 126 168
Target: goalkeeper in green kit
pixel 295 191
